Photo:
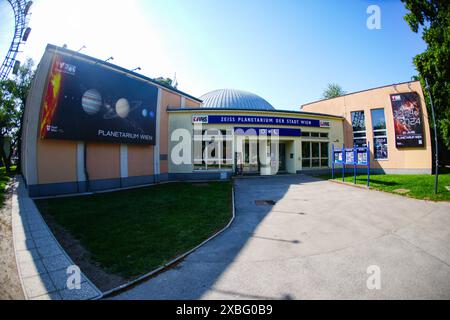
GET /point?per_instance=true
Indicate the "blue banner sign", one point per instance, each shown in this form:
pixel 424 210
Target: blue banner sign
pixel 243 119
pixel 282 132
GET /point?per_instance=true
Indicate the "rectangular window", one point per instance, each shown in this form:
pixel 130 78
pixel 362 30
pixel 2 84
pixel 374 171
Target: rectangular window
pixel 306 154
pixel 213 149
pixel 380 150
pixel 314 154
pixel 359 128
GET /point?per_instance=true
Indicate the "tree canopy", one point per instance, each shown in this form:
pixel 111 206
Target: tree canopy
pixel 166 81
pixel 333 90
pixel 432 17
pixel 13 96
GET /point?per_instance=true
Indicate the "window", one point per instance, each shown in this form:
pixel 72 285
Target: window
pixel 359 128
pixel 324 154
pixel 380 150
pixel 315 134
pixel 213 150
pixel 306 154
pixel 314 154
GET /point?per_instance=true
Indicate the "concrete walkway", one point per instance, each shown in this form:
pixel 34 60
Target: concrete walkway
pixel 317 242
pixel 42 262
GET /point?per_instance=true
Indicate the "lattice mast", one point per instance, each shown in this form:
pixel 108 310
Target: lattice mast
pixel 21 10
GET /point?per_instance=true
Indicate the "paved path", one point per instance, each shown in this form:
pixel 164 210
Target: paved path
pixel 315 243
pixel 42 262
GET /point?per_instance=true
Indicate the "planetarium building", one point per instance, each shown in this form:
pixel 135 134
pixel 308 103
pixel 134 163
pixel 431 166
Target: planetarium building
pixel 90 125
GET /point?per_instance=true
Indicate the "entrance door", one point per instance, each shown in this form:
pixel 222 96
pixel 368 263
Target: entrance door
pixel 282 157
pixel 251 158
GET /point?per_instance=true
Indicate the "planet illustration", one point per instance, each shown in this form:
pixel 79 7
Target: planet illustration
pixel 91 102
pixel 122 107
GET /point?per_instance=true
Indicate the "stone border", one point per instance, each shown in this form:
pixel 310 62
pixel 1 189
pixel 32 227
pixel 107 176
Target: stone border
pixel 177 259
pixel 41 261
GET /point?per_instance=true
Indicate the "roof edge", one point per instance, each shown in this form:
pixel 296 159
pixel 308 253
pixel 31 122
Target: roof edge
pixel 119 68
pixel 360 91
pixel 253 110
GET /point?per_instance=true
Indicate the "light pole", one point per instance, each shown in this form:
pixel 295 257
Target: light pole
pixel 435 138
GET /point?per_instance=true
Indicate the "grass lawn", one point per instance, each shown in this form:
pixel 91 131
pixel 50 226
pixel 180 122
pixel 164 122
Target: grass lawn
pixel 132 232
pixel 421 186
pixel 4 178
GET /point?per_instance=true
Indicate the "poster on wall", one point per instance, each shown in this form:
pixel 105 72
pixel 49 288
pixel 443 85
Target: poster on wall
pixel 88 102
pixel 407 120
pixel 380 150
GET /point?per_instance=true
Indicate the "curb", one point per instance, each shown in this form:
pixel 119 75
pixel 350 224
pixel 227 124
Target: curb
pixel 177 259
pixel 15 198
pixel 14 185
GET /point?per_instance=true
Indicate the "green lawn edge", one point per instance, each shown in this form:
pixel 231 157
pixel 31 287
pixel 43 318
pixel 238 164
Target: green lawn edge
pixel 420 186
pixel 132 232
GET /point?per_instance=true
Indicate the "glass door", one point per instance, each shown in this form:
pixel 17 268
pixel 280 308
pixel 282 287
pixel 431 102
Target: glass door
pixel 282 157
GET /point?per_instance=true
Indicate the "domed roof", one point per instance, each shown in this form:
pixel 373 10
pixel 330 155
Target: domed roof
pixel 234 99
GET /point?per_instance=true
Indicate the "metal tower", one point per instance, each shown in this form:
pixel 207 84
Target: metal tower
pixel 21 10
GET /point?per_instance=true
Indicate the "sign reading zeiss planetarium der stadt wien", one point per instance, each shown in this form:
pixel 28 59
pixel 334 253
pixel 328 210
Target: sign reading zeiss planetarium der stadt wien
pixel 232 119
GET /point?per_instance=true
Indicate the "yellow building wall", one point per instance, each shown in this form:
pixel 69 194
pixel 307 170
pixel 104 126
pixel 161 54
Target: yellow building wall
pixel 183 120
pixel 400 159
pixel 56 161
pixel 168 100
pixel 140 160
pixel 103 160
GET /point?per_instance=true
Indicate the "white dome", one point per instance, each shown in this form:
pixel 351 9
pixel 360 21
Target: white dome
pixel 234 99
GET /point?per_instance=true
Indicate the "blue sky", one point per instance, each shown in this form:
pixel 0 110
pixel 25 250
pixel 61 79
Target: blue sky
pixel 287 51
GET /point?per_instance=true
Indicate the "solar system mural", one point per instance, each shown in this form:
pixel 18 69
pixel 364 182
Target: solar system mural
pixel 89 102
pixel 407 120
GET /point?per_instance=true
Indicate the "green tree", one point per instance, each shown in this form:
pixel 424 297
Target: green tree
pixel 333 90
pixel 165 81
pixel 432 17
pixel 13 96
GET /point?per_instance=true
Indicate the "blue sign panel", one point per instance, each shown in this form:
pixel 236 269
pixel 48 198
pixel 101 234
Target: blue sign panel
pixel 232 119
pixel 282 132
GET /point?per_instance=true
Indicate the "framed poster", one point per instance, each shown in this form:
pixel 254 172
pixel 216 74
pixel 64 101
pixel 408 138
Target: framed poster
pixel 380 148
pixel 408 124
pixel 89 102
pixel 338 156
pixel 361 156
pixel 349 156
